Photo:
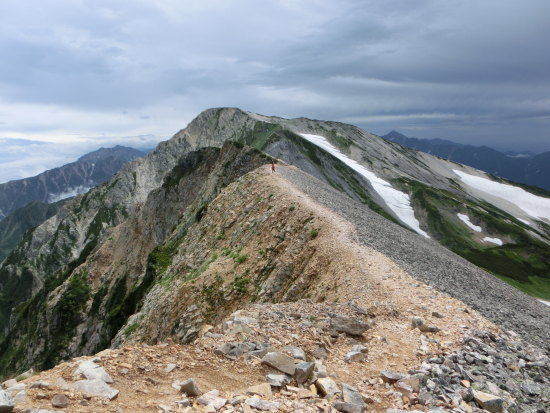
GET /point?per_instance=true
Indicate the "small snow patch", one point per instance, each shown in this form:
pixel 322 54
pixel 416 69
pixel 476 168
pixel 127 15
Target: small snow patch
pixel 466 219
pixel 545 302
pixel 497 241
pixel 536 206
pixel 399 202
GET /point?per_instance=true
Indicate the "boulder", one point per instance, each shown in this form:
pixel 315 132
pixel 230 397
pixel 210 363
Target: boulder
pixel 9 383
pixel 170 368
pixel 280 361
pixel 353 397
pixel 60 400
pixel 84 365
pixel 96 388
pixel 327 386
pixel 354 356
pixel 391 376
pixel 189 387
pixel 295 352
pixel 212 399
pixel 489 402
pixel 303 371
pixel 278 380
pixel 262 390
pixel 97 373
pixel 234 350
pixel 531 388
pixel 20 397
pixel 319 370
pixel 13 390
pixel 350 326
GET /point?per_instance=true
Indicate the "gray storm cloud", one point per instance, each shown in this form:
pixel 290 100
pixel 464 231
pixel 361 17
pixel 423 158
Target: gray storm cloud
pixel 473 71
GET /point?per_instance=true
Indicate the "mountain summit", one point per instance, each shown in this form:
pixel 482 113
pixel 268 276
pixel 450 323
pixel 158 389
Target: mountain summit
pixel 355 255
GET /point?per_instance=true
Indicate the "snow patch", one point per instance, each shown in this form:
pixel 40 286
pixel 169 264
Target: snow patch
pixel 466 219
pixel 497 241
pixel 68 194
pixel 534 205
pixel 524 221
pixel 399 202
pixel 544 302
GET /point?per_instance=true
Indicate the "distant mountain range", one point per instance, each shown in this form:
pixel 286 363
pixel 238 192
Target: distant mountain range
pixel 26 203
pixel 68 180
pixel 519 167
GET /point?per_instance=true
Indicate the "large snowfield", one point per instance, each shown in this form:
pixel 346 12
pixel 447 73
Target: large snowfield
pixel 536 206
pixel 399 202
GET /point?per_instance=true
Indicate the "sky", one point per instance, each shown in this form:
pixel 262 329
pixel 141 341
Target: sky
pixel 79 74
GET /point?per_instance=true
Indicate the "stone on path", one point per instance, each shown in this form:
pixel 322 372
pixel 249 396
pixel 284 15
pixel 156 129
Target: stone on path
pixel 170 368
pixel 188 387
pixel 295 352
pixel 280 361
pixel 96 388
pixel 303 372
pixel 351 326
pixel 60 400
pixel 262 390
pixel 327 386
pixel 262 404
pixel 277 380
pixel 212 399
pixel 391 376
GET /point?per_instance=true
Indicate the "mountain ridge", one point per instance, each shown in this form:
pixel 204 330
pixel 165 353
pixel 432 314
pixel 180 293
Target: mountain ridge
pixel 91 267
pixel 532 170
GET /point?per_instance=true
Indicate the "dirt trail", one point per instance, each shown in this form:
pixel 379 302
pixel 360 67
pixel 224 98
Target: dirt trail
pixel 351 278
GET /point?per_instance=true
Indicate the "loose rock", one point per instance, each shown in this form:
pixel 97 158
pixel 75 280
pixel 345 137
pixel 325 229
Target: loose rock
pixel 60 400
pixel 280 361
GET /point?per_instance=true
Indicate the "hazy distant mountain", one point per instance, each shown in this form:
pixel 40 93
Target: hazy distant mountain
pixel 66 181
pixel 517 166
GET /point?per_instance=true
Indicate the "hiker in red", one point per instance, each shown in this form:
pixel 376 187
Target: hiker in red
pixel 272 166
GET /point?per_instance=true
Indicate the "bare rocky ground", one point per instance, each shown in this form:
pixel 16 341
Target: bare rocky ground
pixel 370 338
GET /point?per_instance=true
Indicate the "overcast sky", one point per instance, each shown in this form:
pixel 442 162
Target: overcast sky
pixel 87 73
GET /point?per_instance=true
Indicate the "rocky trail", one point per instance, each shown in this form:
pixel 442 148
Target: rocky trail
pixel 370 336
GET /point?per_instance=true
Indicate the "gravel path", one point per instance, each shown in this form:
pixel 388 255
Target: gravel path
pixel 432 263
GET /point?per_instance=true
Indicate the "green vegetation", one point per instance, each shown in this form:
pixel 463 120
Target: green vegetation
pixel 235 255
pixel 212 296
pixel 201 268
pixel 524 262
pixel 313 233
pixel 130 329
pixel 240 284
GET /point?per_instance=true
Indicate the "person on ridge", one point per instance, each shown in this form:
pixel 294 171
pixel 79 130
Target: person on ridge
pixel 272 166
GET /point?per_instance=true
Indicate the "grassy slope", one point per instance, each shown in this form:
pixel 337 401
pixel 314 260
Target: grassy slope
pixel 524 262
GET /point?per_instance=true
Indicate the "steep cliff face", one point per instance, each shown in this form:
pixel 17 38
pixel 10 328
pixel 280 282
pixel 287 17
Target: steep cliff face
pixel 82 307
pixel 68 180
pixel 14 226
pixel 162 248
